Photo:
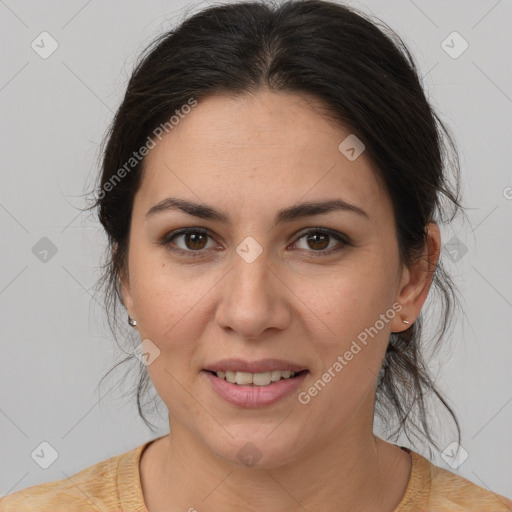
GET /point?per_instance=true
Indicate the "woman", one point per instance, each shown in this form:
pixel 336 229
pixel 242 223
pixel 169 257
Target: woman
pixel 271 188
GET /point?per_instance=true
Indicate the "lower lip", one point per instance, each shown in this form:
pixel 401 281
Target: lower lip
pixel 255 396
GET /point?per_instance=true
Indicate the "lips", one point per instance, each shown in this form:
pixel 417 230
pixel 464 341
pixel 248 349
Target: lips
pixel 254 383
pixel 254 395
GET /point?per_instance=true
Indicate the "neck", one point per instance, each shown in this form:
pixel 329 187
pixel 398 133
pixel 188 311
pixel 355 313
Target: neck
pixel 355 471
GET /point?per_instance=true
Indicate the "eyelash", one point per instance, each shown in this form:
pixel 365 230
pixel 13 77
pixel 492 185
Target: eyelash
pixel 167 239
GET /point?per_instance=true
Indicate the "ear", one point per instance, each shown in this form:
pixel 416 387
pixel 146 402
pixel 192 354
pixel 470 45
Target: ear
pixel 416 280
pixel 126 294
pixel 124 285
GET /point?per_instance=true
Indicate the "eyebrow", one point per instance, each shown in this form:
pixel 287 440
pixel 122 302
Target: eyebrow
pixel 298 211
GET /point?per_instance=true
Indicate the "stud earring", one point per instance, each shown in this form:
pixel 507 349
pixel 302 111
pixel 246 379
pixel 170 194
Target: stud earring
pixel 131 321
pixel 406 322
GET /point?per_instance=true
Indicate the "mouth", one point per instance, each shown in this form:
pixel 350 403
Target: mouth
pixel 255 389
pixel 260 379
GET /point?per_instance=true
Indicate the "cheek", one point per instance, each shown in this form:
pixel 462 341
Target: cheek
pixel 164 298
pixel 350 337
pixel 341 308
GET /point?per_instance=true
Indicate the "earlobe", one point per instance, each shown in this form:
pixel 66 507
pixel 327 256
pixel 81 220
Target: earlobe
pixel 416 280
pixel 128 302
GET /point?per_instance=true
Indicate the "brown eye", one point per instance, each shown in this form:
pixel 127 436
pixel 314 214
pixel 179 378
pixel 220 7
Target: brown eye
pixel 317 241
pixel 191 241
pixel 321 241
pixel 195 240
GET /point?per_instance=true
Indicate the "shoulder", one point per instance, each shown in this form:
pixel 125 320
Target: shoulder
pixel 97 487
pixel 438 490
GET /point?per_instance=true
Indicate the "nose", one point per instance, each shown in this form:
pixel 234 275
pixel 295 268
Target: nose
pixel 254 299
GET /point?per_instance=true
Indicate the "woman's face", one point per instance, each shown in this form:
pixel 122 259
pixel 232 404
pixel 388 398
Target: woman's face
pixel 264 285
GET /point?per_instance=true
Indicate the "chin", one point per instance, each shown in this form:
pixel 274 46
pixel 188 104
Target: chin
pixel 257 448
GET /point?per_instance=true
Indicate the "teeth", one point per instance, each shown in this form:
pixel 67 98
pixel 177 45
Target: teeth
pixel 255 379
pixel 275 375
pixel 261 379
pixel 243 378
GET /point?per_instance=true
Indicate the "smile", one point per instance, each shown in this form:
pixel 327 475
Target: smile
pixel 255 379
pixel 252 390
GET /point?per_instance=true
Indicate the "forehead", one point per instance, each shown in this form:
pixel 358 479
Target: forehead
pixel 269 149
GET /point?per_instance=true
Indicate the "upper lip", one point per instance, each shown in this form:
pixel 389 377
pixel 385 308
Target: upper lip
pixel 261 366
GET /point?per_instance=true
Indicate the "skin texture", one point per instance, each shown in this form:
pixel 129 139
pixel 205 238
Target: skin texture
pixel 250 156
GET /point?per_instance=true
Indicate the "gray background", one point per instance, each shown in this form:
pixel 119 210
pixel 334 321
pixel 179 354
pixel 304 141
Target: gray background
pixel 55 345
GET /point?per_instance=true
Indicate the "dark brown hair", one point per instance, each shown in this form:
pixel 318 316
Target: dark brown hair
pixel 362 71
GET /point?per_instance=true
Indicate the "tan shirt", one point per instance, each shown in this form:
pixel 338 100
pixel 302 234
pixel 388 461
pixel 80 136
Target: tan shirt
pixel 114 485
